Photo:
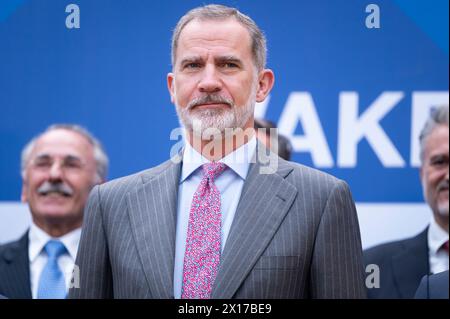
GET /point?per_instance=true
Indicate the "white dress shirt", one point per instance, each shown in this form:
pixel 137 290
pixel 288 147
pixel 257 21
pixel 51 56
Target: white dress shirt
pixel 38 257
pixel 438 257
pixel 229 183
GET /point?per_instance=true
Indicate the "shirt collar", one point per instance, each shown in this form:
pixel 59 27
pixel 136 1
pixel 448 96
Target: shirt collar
pixel 437 236
pixel 238 160
pixel 38 238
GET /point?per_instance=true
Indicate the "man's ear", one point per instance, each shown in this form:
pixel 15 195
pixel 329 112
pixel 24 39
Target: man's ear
pixel 23 195
pixel 266 80
pixel 170 86
pixel 421 173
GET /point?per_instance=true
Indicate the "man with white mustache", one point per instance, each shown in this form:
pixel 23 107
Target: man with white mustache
pixel 59 168
pixel 403 263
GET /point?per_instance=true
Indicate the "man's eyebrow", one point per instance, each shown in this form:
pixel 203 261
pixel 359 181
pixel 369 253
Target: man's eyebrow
pixel 43 156
pixel 190 59
pixel 72 158
pixel 438 156
pixel 228 58
pixel 68 157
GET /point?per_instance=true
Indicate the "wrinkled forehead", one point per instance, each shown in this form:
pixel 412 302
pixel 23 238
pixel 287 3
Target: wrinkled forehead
pixel 214 34
pixel 63 144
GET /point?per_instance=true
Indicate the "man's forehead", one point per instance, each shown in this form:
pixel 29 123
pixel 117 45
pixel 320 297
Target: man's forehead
pixel 62 143
pixel 62 136
pixel 437 141
pixel 439 133
pixel 215 33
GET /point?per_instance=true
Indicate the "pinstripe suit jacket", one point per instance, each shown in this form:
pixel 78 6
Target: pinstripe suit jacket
pixel 295 235
pixel 15 269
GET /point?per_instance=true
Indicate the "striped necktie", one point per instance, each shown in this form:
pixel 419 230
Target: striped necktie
pixel 51 282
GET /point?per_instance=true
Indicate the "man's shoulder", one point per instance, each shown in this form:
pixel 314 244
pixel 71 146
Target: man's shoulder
pixel 7 250
pixel 433 286
pixel 439 285
pixel 385 250
pixel 301 174
pixel 129 182
pixel 381 252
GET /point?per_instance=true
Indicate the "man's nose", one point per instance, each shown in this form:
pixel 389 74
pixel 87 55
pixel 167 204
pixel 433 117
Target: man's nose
pixel 56 171
pixel 210 81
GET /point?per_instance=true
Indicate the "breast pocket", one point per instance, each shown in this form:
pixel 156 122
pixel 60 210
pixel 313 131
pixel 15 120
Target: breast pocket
pixel 279 262
pixel 275 277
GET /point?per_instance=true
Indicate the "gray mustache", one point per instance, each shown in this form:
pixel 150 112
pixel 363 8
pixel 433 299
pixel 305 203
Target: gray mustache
pixel 209 98
pixel 60 188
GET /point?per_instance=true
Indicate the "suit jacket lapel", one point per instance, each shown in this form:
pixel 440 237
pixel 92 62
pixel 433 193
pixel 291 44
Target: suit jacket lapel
pixel 152 209
pixel 265 200
pixel 411 265
pixel 17 271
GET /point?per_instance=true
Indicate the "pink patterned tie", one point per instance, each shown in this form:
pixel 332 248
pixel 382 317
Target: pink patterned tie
pixel 202 256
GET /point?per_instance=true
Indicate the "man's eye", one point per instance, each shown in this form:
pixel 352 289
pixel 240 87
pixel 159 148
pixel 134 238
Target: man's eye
pixel 192 65
pixel 42 164
pixel 439 162
pixel 229 65
pixel 72 164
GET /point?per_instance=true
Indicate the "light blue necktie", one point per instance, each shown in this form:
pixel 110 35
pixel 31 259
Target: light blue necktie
pixel 51 282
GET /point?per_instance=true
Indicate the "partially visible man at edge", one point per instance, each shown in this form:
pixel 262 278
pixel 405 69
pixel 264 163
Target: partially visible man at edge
pixel 403 263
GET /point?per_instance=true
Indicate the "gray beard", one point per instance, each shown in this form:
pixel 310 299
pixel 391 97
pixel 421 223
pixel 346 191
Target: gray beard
pixel 201 120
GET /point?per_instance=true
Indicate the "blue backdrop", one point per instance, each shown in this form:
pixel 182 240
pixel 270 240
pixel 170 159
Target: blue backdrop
pixel 109 75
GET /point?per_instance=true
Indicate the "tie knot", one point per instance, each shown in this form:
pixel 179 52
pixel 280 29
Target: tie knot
pixel 55 248
pixel 212 170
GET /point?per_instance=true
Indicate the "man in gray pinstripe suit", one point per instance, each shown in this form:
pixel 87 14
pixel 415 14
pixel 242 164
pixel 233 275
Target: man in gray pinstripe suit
pixel 287 233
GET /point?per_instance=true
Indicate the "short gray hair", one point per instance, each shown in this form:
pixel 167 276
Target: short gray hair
pixel 438 116
pixel 101 159
pixel 220 12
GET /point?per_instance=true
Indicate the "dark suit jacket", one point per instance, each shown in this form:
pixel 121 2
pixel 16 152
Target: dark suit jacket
pixel 433 286
pixel 15 269
pixel 402 265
